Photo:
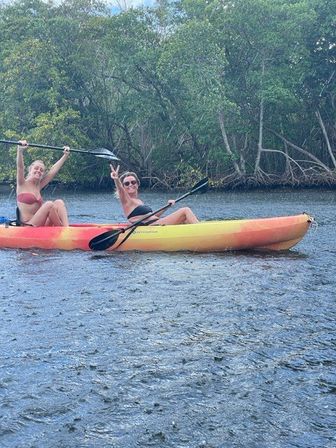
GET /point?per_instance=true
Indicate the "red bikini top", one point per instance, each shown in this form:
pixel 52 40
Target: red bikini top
pixel 29 198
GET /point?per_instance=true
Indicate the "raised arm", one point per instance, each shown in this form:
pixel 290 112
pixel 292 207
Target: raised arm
pixel 20 168
pixel 56 167
pixel 122 193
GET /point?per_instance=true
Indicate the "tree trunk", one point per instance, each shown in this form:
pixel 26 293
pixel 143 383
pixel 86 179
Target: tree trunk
pixel 325 134
pixel 261 125
pixel 226 142
pixel 302 151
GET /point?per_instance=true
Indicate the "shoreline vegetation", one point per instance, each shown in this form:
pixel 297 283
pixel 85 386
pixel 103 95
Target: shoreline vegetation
pixel 7 188
pixel 243 92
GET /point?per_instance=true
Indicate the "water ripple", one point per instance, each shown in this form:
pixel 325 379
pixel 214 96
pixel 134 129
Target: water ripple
pixel 173 350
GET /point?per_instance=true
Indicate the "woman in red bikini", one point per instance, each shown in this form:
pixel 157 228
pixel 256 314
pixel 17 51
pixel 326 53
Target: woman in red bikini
pixel 32 210
pixel 127 190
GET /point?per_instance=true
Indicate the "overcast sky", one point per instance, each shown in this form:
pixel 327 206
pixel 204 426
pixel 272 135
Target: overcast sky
pixel 131 2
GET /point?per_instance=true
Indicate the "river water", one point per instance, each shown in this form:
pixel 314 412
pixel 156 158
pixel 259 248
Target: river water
pixel 172 350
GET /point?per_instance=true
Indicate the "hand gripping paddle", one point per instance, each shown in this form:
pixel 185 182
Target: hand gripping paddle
pixel 109 238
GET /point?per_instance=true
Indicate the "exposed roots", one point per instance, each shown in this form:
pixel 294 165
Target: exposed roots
pixel 263 179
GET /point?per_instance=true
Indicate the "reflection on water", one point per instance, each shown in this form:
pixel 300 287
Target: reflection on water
pixel 172 350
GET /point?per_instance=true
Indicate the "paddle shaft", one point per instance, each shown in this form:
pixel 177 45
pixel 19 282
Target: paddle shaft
pixel 107 239
pixel 197 187
pixel 133 226
pixel 58 148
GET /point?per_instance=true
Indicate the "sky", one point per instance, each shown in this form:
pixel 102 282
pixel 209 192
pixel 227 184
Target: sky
pixel 117 3
pixel 132 3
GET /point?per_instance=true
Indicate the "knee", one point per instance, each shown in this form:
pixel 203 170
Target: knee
pixel 59 203
pixel 48 205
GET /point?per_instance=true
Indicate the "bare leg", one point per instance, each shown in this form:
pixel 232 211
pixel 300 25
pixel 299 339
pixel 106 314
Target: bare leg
pixel 181 216
pixel 41 216
pixel 58 215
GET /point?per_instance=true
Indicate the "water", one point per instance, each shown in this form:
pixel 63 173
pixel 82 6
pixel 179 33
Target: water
pixel 172 350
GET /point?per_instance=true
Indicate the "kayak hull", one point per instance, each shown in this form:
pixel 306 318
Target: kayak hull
pixel 279 233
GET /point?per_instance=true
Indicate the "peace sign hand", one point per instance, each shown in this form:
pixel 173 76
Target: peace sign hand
pixel 114 172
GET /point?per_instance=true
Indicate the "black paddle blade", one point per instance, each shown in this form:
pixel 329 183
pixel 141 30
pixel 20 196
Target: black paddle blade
pixel 201 186
pixel 104 153
pixel 104 240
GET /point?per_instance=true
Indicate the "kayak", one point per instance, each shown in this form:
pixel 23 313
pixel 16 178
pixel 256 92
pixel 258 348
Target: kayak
pixel 278 233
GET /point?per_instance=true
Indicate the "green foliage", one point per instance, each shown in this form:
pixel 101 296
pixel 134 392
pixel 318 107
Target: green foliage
pixel 176 90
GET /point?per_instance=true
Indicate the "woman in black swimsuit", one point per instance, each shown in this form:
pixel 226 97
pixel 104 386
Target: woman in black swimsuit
pixel 127 189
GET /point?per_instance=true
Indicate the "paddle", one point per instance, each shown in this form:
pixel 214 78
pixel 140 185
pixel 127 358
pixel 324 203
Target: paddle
pixel 99 152
pixel 109 238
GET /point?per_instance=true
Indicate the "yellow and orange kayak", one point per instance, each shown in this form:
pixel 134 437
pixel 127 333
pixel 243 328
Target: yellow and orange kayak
pixel 280 233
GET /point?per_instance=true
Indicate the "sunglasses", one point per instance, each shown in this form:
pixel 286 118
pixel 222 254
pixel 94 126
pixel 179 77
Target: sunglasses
pixel 128 183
